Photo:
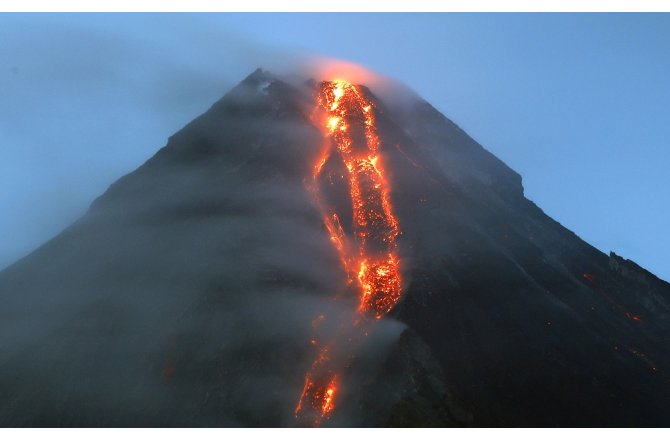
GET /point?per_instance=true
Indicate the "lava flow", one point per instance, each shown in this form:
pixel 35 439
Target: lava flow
pixel 351 125
pixel 369 257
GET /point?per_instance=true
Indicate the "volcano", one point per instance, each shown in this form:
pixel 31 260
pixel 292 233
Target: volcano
pixel 310 253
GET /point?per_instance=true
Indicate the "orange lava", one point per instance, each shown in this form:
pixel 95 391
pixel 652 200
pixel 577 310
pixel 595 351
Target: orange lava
pixel 594 285
pixel 369 258
pixel 351 124
pixel 319 396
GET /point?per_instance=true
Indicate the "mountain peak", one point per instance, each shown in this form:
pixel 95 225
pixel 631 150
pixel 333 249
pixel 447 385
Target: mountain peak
pixel 202 288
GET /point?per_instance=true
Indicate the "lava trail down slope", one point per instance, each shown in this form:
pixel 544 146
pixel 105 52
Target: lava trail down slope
pixel 318 253
pixel 372 261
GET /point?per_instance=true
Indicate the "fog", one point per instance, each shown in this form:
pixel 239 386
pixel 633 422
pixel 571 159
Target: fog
pixel 186 294
pixel 128 92
pixel 87 101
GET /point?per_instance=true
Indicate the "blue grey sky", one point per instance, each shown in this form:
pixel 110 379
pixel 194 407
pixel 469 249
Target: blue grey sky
pixel 578 104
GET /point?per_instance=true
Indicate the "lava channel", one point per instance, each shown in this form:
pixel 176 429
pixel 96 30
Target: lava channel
pixel 370 256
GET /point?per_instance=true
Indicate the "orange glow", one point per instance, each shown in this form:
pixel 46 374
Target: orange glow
pixel 594 285
pixel 329 397
pixel 333 123
pixel 319 395
pixel 369 257
pixel 328 68
pixel 375 225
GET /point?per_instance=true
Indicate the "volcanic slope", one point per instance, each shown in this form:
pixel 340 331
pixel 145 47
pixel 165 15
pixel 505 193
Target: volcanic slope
pixel 191 291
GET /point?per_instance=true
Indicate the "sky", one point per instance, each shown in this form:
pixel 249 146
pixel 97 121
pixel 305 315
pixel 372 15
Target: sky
pixel 576 103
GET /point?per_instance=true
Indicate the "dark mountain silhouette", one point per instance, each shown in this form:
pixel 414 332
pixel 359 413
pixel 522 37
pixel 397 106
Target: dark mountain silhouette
pixel 185 296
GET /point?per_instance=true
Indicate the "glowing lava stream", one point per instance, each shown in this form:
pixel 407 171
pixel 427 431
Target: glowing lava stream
pixel 370 258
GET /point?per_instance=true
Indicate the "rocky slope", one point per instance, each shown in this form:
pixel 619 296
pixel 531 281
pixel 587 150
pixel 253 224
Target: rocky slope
pixel 184 297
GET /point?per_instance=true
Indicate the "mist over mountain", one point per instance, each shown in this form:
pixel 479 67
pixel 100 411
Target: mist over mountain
pixel 186 295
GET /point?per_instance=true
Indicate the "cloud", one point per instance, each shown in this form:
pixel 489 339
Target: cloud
pixel 88 98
